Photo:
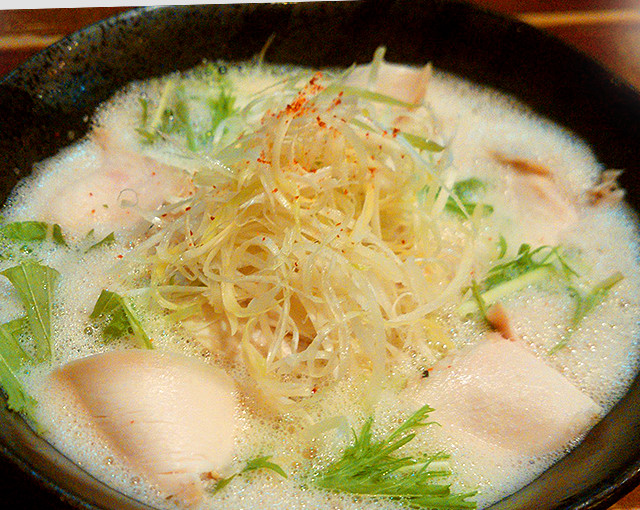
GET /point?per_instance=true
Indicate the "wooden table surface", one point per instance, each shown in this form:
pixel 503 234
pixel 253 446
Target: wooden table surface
pixel 607 30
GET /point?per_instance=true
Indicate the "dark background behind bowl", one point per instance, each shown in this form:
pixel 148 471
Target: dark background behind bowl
pixel 46 103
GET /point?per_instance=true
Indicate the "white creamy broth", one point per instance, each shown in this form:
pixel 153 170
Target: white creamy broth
pixel 361 166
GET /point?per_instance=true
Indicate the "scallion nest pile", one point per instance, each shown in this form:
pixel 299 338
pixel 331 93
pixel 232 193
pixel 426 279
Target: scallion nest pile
pixel 314 242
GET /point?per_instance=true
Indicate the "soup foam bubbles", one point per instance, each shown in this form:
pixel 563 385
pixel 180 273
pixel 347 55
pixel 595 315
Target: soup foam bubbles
pixel 601 359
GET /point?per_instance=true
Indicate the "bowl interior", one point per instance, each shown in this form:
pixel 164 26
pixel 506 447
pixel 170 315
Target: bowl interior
pixel 46 104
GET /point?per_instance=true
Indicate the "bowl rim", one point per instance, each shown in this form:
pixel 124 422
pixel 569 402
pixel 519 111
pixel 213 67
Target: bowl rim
pixel 622 483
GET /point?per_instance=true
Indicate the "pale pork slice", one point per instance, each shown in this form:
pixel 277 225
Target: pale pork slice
pixel 541 200
pixel 171 417
pixel 114 191
pixel 502 394
pixel 544 206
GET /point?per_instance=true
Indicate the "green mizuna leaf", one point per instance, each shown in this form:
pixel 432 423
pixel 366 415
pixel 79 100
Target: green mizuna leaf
pixel 173 114
pixel 17 398
pixel 528 267
pixel 264 463
pixel 507 287
pixel 12 358
pixel 526 260
pixel 468 192
pixel 120 317
pixel 502 247
pixel 378 468
pixel 464 198
pixel 28 231
pixel 35 284
pixel 107 304
pixel 184 123
pixel 221 107
pixel 10 349
pixel 144 111
pixel 108 240
pixel 585 303
pixel 252 465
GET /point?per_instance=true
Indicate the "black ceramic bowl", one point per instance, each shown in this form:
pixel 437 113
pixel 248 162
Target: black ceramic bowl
pixel 46 103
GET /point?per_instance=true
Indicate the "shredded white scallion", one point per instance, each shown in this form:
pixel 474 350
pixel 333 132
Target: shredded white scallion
pixel 314 238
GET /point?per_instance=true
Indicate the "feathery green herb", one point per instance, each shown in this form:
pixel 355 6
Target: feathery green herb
pixel 527 260
pixel 120 318
pixel 585 303
pixel 377 468
pixel 529 266
pixel 252 465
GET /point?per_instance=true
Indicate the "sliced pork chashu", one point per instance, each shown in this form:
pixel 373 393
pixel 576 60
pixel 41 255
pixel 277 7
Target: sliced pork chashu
pixel 109 188
pixel 502 394
pixel 540 199
pixel 171 417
